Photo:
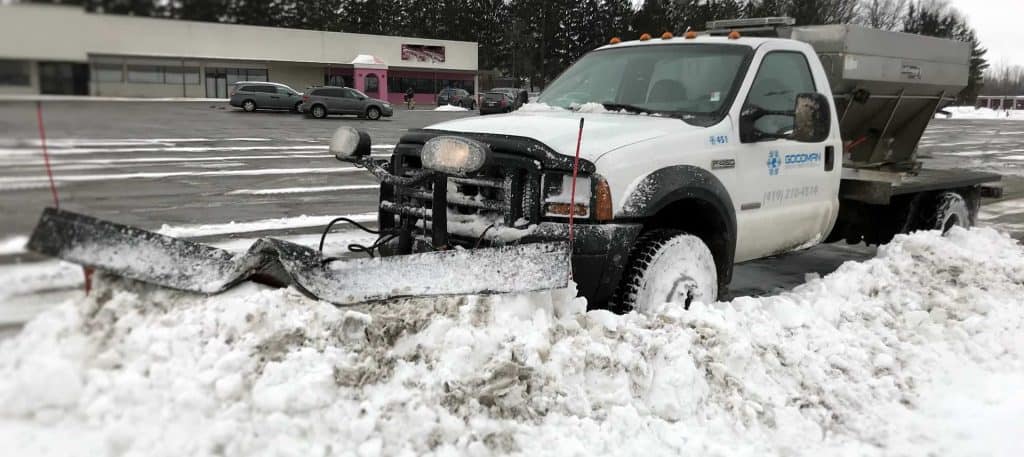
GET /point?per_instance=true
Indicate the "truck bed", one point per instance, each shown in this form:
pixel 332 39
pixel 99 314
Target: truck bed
pixel 887 87
pixel 878 187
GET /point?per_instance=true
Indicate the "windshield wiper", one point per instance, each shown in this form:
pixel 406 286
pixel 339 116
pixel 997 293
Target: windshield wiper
pixel 628 107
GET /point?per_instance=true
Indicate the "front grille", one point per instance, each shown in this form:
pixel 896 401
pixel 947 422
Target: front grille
pixel 501 196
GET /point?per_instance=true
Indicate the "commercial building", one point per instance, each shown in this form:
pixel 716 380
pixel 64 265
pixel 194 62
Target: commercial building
pixel 53 49
pixel 1003 102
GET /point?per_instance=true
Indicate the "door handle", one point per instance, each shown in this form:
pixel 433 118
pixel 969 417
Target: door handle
pixel 830 157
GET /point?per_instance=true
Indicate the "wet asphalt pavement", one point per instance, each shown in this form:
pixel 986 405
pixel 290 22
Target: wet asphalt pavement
pixel 150 164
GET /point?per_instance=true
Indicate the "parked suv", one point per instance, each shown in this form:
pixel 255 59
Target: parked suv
pixel 321 101
pixel 251 96
pixel 496 102
pixel 519 96
pixel 456 97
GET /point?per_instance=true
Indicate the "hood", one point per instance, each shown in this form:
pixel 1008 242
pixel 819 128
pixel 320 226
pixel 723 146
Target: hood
pixel 602 132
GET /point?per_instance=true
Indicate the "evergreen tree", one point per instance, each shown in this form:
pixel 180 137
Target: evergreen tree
pixel 654 17
pixel 127 7
pixel 935 18
pixel 695 14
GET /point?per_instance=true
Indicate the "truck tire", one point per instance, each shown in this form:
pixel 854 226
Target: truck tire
pixel 950 210
pixel 668 266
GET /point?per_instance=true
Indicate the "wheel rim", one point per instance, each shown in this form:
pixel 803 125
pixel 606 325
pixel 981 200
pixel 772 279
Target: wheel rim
pixel 373 114
pixel 249 106
pixel 679 269
pixel 318 111
pixel 951 221
pixel 952 211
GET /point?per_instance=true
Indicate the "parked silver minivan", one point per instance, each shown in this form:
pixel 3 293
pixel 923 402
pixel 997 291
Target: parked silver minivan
pixel 319 102
pixel 254 95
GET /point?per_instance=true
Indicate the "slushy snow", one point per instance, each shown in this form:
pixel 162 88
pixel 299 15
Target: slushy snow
pixel 450 108
pixel 915 352
pixel 970 112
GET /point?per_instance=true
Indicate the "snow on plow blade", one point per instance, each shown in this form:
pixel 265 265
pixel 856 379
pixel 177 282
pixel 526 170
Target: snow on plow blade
pixel 185 265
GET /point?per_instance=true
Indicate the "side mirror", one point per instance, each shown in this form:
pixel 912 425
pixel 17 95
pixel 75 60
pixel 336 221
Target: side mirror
pixel 750 115
pixel 812 118
pixel 349 144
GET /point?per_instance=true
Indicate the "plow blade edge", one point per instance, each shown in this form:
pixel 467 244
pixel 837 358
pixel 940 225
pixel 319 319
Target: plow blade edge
pixel 186 265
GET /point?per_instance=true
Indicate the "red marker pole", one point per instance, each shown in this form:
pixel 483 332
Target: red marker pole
pixel 46 153
pixel 572 194
pixel 86 271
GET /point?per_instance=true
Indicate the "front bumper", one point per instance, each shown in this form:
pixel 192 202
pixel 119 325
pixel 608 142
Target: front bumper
pixel 387 111
pixel 599 256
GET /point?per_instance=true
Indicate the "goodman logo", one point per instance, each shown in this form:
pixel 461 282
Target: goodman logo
pixel 802 160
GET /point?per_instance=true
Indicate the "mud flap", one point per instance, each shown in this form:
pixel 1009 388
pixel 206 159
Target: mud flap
pixel 185 265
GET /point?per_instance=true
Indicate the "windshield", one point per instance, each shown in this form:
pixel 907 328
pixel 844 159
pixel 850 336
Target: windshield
pixel 688 81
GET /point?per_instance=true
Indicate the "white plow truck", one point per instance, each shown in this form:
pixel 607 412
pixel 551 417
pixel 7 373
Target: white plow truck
pixel 698 152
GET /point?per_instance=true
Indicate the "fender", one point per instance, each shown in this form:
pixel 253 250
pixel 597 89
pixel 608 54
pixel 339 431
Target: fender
pixel 685 182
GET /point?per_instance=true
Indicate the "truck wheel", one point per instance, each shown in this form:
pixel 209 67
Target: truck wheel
pixel 668 266
pixel 950 211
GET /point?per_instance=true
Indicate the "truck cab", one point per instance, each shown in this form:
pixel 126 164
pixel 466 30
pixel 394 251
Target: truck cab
pixel 694 153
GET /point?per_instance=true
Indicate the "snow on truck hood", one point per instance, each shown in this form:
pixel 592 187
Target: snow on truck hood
pixel 602 132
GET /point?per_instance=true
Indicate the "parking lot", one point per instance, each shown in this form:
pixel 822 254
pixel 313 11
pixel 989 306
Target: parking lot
pixel 223 176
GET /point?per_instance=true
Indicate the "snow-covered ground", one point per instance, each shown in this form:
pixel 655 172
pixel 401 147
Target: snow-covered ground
pixel 970 112
pixel 450 108
pixel 915 352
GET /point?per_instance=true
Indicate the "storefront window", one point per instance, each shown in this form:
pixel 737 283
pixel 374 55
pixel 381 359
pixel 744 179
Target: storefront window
pixel 150 74
pixel 14 73
pixel 182 75
pixel 108 73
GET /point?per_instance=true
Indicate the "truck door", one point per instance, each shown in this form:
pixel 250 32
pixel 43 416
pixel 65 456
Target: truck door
pixel 788 191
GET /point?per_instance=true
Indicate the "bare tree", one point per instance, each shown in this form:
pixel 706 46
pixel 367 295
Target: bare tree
pixel 1004 79
pixel 882 14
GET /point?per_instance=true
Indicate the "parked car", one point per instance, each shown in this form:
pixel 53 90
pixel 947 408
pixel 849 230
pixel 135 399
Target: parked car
pixel 456 97
pixel 496 102
pixel 319 102
pixel 254 95
pixel 519 96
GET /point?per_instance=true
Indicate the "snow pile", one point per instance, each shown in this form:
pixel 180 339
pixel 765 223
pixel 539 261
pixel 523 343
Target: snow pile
pixel 539 107
pixel 13 245
pixel 970 112
pixel 450 108
pixel 916 352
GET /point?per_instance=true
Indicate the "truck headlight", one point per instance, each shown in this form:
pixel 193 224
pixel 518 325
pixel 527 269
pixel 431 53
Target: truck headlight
pixel 349 143
pixel 558 193
pixel 593 197
pixel 453 155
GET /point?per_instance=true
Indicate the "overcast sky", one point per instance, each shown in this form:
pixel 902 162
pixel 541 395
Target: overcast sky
pixel 1000 27
pixel 999 24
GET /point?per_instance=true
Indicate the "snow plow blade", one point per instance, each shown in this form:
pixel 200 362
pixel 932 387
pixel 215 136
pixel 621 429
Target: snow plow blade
pixel 185 265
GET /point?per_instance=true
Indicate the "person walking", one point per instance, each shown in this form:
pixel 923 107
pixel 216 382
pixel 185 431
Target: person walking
pixel 410 98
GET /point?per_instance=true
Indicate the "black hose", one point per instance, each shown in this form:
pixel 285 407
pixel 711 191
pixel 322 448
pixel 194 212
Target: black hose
pixel 327 229
pixel 481 238
pixel 356 247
